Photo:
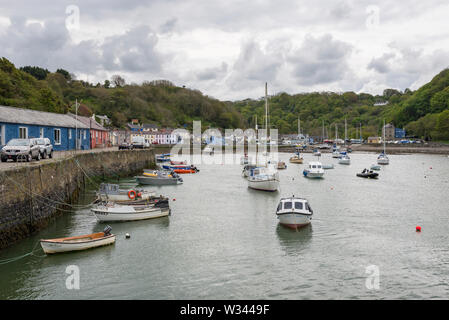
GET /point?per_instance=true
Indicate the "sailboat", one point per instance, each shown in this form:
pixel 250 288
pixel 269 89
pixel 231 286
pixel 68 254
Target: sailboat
pixel 344 158
pixel 382 158
pixel 265 178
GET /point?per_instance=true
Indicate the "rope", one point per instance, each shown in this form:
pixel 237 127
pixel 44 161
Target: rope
pixel 31 253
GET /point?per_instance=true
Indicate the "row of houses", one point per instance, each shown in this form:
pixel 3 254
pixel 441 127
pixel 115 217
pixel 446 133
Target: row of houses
pixel 69 131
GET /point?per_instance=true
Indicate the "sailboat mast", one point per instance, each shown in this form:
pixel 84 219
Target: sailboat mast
pixel 384 136
pixel 346 132
pixel 322 137
pixel 266 107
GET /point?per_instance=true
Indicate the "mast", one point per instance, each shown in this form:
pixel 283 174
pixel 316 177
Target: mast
pixel 322 137
pixel 346 132
pixel 361 137
pixel 299 127
pixel 384 137
pixel 336 134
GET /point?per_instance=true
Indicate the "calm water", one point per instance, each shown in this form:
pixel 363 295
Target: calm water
pixel 223 240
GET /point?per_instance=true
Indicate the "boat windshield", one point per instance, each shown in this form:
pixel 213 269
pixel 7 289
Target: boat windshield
pixel 298 205
pixel 287 205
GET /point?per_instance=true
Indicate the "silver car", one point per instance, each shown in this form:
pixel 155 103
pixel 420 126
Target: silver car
pixel 46 148
pixel 21 149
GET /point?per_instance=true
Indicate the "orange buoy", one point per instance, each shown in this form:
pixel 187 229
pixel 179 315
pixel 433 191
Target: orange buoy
pixel 418 229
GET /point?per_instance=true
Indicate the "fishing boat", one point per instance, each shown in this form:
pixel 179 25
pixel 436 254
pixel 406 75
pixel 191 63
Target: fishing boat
pixel 368 174
pixel 344 158
pixel 383 158
pixel 78 243
pixel 163 157
pixel 113 192
pixel 281 165
pixel 263 178
pixel 181 168
pixel 294 212
pixel 159 178
pixel 375 167
pixel 116 212
pixel 314 170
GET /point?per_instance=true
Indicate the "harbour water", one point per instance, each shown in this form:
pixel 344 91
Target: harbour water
pixel 223 240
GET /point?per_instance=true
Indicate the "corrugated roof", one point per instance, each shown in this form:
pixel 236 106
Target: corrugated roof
pixel 34 117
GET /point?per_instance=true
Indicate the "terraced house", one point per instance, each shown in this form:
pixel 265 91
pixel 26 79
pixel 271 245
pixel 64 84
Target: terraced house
pixel 63 131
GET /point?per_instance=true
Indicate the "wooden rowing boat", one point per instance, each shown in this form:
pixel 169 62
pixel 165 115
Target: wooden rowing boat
pixel 79 242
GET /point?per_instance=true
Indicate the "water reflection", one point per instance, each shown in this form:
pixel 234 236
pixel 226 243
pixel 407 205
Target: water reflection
pixel 293 242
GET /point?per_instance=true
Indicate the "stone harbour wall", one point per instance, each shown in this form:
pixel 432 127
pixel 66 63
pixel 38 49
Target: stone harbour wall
pixel 31 195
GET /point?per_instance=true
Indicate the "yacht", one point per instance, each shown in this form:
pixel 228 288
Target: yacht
pixel 314 170
pixel 294 212
pixel 383 158
pixel 263 178
pixel 344 158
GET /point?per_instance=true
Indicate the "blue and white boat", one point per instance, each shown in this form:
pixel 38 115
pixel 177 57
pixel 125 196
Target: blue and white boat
pixel 314 170
pixel 163 157
pixel 344 158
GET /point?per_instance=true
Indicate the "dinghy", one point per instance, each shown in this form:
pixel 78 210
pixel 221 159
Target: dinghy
pixel 368 174
pixel 314 170
pixel 159 178
pixel 78 243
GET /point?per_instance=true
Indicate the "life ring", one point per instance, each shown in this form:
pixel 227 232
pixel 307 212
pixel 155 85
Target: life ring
pixel 133 193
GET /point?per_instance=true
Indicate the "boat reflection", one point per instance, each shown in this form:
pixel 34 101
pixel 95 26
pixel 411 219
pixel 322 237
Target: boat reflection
pixel 293 242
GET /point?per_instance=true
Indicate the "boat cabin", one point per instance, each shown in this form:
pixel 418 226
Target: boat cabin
pixel 288 205
pixel 315 165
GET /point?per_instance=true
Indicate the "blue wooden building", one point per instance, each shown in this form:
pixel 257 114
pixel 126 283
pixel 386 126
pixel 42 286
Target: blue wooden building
pixel 59 128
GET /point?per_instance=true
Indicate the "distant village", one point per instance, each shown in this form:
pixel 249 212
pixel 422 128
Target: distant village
pixel 70 131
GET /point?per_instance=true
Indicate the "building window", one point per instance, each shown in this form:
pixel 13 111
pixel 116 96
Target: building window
pixel 57 136
pixel 23 133
pixel 41 132
pixel 70 134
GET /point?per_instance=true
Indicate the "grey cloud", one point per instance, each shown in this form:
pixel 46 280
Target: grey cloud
pixel 381 64
pixel 212 73
pixel 168 26
pixel 320 60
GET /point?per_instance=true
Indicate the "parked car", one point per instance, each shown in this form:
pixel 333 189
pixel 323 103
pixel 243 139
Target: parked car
pixel 20 149
pixel 125 146
pixel 45 147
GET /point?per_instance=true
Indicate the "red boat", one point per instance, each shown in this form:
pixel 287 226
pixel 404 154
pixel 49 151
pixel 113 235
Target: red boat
pixel 178 162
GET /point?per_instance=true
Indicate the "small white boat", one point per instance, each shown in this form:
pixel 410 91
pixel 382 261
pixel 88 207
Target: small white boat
pixel 344 158
pixel 314 170
pixel 116 212
pixel 281 165
pixel 294 212
pixel 383 159
pixel 78 243
pixel 112 192
pixel 263 178
pixel 375 167
pixel 316 153
pixel 208 150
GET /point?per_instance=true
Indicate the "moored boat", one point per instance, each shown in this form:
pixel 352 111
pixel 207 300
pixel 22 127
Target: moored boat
pixel 368 174
pixel 112 192
pixel 78 243
pixel 263 178
pixel 116 212
pixel 181 168
pixel 344 158
pixel 294 212
pixel 159 178
pixel 314 170
pixel 316 153
pixel 163 157
pixel 281 165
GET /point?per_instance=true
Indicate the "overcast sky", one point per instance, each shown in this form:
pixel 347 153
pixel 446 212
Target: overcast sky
pixel 228 49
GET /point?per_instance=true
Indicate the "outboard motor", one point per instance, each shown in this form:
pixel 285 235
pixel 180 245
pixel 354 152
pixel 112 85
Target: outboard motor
pixel 107 230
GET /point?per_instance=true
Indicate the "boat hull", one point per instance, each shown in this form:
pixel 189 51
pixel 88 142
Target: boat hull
pixel 51 247
pixel 383 161
pixel 156 181
pixel 299 161
pixel 264 185
pixel 105 216
pixel 313 175
pixel 294 220
pixel 344 161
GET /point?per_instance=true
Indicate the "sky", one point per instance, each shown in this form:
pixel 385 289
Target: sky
pixel 229 49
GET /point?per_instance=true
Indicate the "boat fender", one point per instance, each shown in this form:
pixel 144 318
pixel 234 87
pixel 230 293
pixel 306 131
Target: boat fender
pixel 131 194
pixel 139 194
pixel 418 229
pixel 127 236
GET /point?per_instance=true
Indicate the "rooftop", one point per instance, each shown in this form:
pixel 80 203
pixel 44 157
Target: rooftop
pixel 34 117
